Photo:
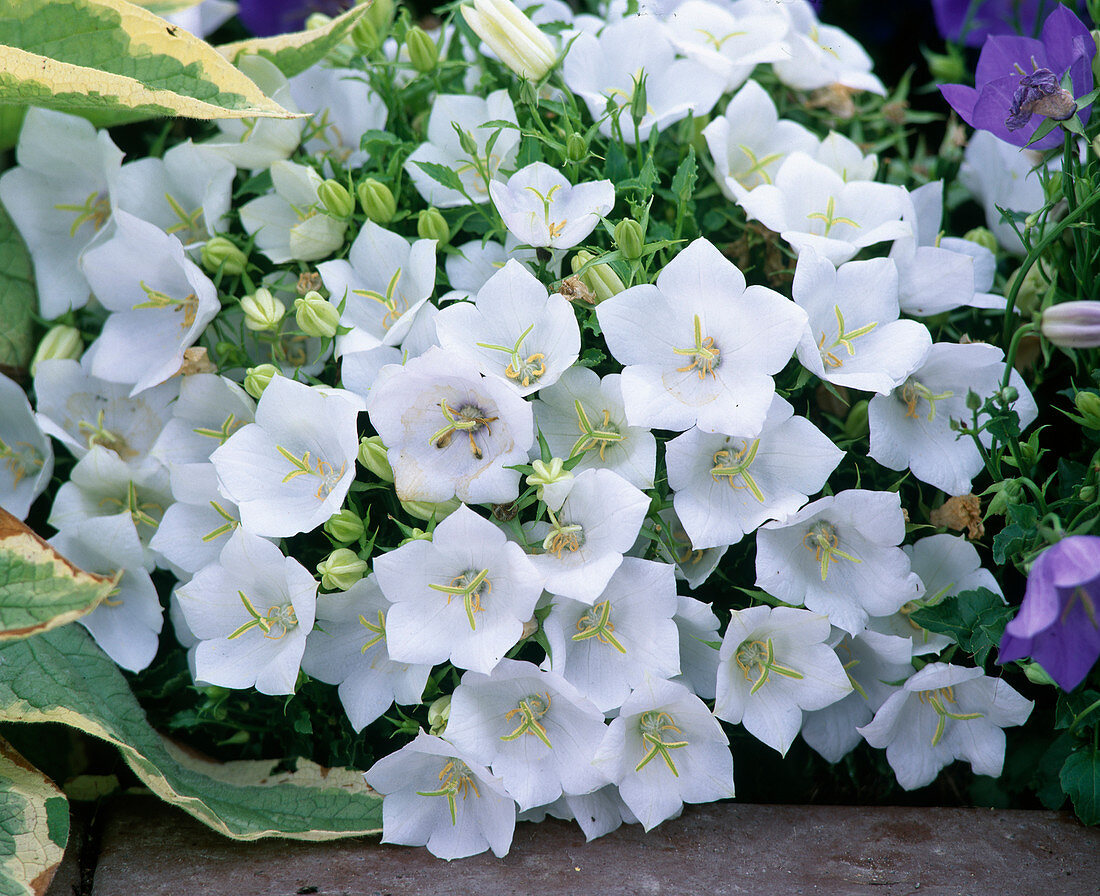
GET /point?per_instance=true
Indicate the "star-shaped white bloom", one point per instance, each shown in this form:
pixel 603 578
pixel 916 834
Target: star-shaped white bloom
pixel 820 55
pixel 514 330
pixel 450 431
pixel 699 348
pixel 160 300
pixel 59 198
pixel 540 207
pixel 944 713
pixel 348 648
pixel 475 170
pixel 289 471
pixel 463 596
pixel 1001 176
pixel 437 796
pixel 853 336
pixel 665 749
pixel 839 556
pixel 725 486
pixel 774 664
pixel 811 205
pixel 607 649
pixel 251 613
pixel 530 727
pixel 911 427
pixel 383 284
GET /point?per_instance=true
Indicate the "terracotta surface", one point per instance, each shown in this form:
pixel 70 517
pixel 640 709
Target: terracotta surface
pixel 149 849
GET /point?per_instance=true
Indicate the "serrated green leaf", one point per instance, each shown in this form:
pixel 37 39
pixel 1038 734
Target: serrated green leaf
pixel 18 300
pixel 1081 780
pixel 40 589
pixel 1018 533
pixel 62 676
pixel 293 53
pixel 975 619
pixel 683 181
pixel 110 55
pixel 444 175
pixel 34 826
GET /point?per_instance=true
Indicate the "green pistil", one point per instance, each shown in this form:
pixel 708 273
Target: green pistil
pixel 936 700
pixel 377 628
pixel 277 617
pixel 653 726
pixel 842 339
pixel 596 623
pixel 830 218
pixel 591 437
pixel 387 300
pixel 457 780
pixel 471 587
pixel 823 540
pixel 530 710
pixel 228 426
pixel 525 370
pixel 760 656
pixel 912 392
pixel 705 355
pixel 228 526
pixel 733 465
pixel 21 463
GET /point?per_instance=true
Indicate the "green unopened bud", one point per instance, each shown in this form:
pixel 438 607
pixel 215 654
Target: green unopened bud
pixel 983 237
pixel 630 238
pixel 1087 493
pixel 219 253
pixel 601 279
pixel 415 534
pixel 341 569
pixel 316 316
pixel 1005 495
pixel 316 20
pixel 639 102
pixel 365 36
pixel 438 715
pixel 428 510
pixel 1088 405
pixel 1036 674
pixel 423 52
pixel 336 199
pixel 552 481
pixel 1007 395
pixel 262 311
pixel 345 525
pixel 855 424
pixel 1034 291
pixel 431 225
pixel 380 14
pixel 60 343
pixel 373 456
pixel 576 148
pixel 947 68
pixel 973 400
pixel 257 378
pixel 376 200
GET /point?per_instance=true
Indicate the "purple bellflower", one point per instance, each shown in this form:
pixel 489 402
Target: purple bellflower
pixel 267 17
pixel 971 21
pixel 1058 625
pixel 1020 77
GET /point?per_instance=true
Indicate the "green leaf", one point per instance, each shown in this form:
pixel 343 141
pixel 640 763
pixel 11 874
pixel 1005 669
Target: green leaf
pixel 113 56
pixel 293 53
pixel 444 175
pixel 683 181
pixel 34 826
pixel 975 619
pixel 62 676
pixel 18 300
pixel 1017 534
pixel 40 589
pixel 1081 780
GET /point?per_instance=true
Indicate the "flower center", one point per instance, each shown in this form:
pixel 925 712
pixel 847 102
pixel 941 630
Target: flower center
pixel 530 710
pixel 189 305
pixel 469 419
pixel 599 437
pixel 377 630
pixel 326 472
pixel 275 624
pixel 830 218
pixel 98 434
pixel 455 779
pixel 734 465
pixel 394 305
pixel 913 392
pixel 756 659
pixel 656 729
pixel 553 228
pixel 188 229
pixel 526 370
pixel 22 458
pixel 830 358
pixel 595 622
pixel 96 208
pixel 471 586
pixel 705 355
pixel 823 540
pixel 562 536
pixel 936 699
pixel 138 509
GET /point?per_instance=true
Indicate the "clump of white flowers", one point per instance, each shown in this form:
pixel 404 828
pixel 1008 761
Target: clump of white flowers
pixel 539 379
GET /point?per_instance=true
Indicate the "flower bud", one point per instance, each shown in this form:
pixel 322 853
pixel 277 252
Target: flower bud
pixel 373 456
pixel 365 36
pixel 431 225
pixel 639 102
pixel 1036 674
pixel 423 52
pixel 576 148
pixel 1088 406
pixel 514 38
pixel 983 237
pixel 376 200
pixel 379 13
pixel 553 482
pixel 855 424
pixel 1007 395
pixel 630 238
pixel 60 343
pixel 257 378
pixel 1087 493
pixel 438 715
pixel 427 510
pixel 316 316
pixel 1072 324
pixel 1005 494
pixel 262 311
pixel 316 20
pixel 341 569
pixel 219 253
pixel 345 525
pixel 336 199
pixel 600 278
pixel 973 400
pixel 415 534
pixel 947 68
